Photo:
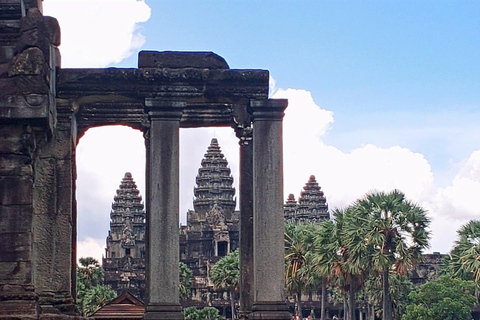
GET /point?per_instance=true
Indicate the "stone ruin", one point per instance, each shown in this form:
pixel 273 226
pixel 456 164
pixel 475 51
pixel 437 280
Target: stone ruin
pixel 45 110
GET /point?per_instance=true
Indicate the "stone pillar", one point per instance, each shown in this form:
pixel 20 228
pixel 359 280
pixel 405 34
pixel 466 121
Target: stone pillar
pixel 269 281
pixel 163 247
pixel 244 133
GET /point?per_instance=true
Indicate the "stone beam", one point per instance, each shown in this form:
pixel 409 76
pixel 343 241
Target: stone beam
pixel 188 83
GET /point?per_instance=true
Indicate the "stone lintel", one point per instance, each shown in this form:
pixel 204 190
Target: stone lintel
pixel 25 107
pixel 270 109
pixel 130 113
pixel 168 83
pixel 181 60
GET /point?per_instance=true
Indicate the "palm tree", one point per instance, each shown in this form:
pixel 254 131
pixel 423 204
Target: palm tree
pixel 341 252
pixel 95 298
pixel 396 230
pixel 298 243
pixel 464 260
pixel 185 283
pixel 225 275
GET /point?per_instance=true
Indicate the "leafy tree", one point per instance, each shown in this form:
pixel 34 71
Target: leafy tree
pixel 464 260
pixel 397 233
pixel 191 313
pixel 91 294
pixel 342 254
pixel 445 298
pixel 185 283
pixel 95 298
pixel 207 313
pixel 298 245
pixel 399 288
pixel 225 275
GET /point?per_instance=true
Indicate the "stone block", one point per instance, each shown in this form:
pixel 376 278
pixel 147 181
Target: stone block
pixel 15 165
pixel 15 191
pixel 15 139
pixel 18 309
pixel 29 62
pixel 15 246
pixel 180 60
pixel 16 218
pixel 19 272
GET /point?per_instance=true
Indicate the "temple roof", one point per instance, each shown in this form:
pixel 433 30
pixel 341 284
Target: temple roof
pixel 312 204
pixel 214 182
pixel 127 200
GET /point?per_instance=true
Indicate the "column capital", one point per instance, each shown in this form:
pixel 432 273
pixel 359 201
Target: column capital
pixel 242 124
pixel 162 109
pixel 269 109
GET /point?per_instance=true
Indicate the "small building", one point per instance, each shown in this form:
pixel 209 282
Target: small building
pixel 125 306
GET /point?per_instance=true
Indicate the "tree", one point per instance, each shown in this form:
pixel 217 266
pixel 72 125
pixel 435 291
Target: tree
pixel 95 298
pixel 185 283
pixel 91 294
pixel 397 232
pixel 207 313
pixel 298 244
pixel 341 254
pixel 445 298
pixel 225 275
pixel 464 259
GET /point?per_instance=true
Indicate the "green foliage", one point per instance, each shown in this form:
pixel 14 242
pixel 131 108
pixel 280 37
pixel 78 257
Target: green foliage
pixel 91 293
pixel 464 260
pixel 207 313
pixel 400 287
pixel 95 298
pixel 396 232
pixel 225 274
pixel 445 298
pixel 191 313
pixel 185 281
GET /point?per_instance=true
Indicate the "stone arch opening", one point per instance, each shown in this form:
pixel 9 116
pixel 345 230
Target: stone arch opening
pixel 103 155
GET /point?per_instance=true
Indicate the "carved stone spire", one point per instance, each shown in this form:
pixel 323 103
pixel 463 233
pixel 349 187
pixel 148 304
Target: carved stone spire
pixel 127 225
pixel 214 184
pixel 312 205
pixel 290 207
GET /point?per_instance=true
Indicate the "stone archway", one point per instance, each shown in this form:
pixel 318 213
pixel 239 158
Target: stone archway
pixel 41 123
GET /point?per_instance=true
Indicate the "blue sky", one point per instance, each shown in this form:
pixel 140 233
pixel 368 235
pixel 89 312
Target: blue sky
pixel 383 95
pixel 394 66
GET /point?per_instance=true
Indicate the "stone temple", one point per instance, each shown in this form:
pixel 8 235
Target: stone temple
pixel 124 261
pixel 212 229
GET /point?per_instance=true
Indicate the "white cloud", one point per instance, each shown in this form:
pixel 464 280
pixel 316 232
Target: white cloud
pixel 344 176
pixel 98 32
pixel 460 199
pixel 91 247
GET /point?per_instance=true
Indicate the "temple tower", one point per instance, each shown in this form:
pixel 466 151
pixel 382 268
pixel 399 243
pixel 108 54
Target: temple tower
pixel 212 227
pixel 125 253
pixel 214 184
pixel 311 207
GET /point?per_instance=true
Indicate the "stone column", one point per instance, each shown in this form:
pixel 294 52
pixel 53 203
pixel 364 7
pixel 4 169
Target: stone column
pixel 269 281
pixel 163 248
pixel 244 133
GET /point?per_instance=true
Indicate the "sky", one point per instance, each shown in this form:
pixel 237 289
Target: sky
pixel 382 95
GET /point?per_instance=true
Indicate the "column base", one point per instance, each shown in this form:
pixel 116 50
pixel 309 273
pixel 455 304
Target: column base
pixel 270 311
pixel 163 312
